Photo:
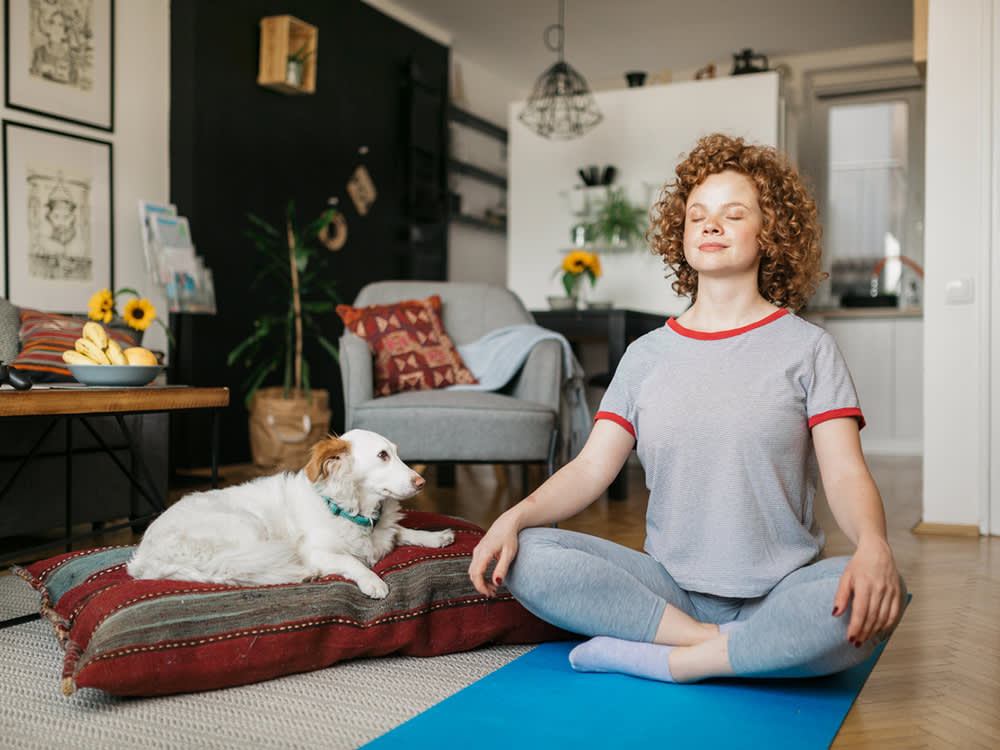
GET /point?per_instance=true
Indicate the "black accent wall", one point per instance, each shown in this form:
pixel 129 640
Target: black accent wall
pixel 236 147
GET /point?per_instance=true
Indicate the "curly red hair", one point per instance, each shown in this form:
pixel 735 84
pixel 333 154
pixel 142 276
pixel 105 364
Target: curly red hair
pixel 789 237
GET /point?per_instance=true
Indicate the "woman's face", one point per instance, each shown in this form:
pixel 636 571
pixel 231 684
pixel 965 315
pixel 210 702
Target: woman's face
pixel 722 223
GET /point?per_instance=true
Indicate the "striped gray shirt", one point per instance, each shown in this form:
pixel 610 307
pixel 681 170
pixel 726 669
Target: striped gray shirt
pixel 722 425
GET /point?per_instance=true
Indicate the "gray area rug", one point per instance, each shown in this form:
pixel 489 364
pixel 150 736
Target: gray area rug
pixel 343 706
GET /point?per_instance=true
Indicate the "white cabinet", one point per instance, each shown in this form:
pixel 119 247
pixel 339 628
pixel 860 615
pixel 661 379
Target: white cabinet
pixel 885 356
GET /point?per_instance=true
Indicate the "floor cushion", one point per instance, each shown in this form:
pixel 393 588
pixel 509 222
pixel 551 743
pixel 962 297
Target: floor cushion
pixel 130 637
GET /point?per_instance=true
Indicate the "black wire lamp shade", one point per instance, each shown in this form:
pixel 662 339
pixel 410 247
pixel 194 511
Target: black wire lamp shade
pixel 561 104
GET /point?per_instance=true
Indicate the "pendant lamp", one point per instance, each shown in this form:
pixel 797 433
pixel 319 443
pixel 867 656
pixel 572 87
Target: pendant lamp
pixel 561 104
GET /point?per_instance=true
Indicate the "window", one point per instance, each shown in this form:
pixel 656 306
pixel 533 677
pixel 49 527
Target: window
pixel 865 156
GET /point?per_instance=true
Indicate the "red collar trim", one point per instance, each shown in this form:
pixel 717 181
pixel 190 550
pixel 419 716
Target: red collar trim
pixel 713 335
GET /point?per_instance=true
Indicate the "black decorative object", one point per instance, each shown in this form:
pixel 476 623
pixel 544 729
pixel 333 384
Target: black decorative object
pixel 747 62
pixel 635 78
pixel 561 104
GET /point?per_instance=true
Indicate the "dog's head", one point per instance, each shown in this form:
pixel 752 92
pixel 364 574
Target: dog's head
pixel 365 460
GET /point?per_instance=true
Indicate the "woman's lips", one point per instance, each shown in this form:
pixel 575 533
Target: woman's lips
pixel 711 247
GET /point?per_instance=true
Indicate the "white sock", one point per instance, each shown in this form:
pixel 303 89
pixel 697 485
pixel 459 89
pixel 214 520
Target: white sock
pixel 606 654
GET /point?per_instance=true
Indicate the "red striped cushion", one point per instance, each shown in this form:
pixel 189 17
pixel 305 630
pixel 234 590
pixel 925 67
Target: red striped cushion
pixel 45 336
pixel 130 637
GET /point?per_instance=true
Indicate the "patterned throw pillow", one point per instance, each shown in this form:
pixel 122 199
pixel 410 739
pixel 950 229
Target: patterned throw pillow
pixel 130 637
pixel 412 351
pixel 45 336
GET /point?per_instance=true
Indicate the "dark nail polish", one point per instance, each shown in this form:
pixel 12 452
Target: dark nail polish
pixel 498 580
pixel 834 612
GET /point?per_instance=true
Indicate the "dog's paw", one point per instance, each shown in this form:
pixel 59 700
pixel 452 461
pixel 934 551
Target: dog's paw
pixel 446 537
pixel 374 587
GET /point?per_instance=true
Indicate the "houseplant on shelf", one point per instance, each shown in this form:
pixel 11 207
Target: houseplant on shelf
pixel 296 64
pixel 286 420
pixel 618 222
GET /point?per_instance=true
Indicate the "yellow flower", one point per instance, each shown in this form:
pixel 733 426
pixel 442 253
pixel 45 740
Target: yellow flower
pixel 575 265
pixel 139 313
pixel 102 306
pixel 580 261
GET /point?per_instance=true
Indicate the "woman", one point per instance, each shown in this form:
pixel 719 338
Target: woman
pixel 736 409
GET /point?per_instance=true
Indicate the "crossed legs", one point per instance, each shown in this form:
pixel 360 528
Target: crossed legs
pixel 595 587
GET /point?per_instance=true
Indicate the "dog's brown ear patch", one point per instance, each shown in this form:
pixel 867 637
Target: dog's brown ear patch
pixel 330 449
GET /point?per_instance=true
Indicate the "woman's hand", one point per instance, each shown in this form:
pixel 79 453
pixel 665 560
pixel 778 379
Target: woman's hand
pixel 500 544
pixel 870 583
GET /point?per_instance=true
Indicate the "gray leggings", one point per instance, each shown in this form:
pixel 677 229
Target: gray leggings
pixel 591 586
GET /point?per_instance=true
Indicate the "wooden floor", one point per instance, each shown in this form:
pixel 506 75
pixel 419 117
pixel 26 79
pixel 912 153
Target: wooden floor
pixel 937 684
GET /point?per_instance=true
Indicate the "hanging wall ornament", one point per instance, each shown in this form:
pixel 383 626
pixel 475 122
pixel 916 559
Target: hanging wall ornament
pixel 361 188
pixel 334 234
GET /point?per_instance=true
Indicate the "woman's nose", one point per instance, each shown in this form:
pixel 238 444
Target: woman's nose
pixel 711 226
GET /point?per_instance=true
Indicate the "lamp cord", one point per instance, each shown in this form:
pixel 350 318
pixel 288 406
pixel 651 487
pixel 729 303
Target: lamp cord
pixel 556 27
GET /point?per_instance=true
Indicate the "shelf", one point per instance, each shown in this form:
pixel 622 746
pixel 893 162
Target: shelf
pixel 495 225
pixel 471 170
pixel 281 37
pixel 469 120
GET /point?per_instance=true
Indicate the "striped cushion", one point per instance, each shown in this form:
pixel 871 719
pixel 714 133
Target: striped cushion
pixel 130 637
pixel 45 336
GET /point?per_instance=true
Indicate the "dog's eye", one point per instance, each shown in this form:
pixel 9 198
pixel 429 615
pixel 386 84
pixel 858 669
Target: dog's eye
pixel 384 455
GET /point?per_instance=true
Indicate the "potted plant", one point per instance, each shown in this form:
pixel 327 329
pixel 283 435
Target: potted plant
pixel 295 284
pixel 296 64
pixel 617 221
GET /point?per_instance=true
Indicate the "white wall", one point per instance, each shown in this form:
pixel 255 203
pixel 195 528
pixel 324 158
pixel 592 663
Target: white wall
pixel 644 133
pixel 961 146
pixel 140 140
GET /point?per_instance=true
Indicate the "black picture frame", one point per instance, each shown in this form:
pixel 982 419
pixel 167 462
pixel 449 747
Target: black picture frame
pixel 61 66
pixel 58 217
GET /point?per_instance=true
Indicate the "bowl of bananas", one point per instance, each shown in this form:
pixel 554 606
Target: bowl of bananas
pixel 97 359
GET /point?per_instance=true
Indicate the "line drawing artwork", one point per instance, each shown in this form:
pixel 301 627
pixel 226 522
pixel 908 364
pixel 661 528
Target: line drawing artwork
pixel 59 237
pixel 61 35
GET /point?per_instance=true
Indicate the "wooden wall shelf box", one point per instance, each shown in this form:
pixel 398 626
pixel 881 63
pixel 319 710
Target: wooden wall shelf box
pixel 281 36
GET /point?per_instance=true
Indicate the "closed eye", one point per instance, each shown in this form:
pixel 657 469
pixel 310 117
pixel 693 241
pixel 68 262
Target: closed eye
pixel 384 455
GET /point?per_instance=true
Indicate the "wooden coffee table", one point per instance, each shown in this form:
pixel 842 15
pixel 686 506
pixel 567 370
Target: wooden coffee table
pixel 78 403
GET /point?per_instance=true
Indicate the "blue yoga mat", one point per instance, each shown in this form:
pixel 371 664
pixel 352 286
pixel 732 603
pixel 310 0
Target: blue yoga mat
pixel 539 701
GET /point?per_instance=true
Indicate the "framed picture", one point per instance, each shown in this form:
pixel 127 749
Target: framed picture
pixel 60 59
pixel 57 218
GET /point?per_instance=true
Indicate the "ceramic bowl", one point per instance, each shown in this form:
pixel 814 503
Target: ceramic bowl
pixel 115 375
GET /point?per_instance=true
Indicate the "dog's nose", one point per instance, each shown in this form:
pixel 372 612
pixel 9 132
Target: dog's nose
pixel 418 482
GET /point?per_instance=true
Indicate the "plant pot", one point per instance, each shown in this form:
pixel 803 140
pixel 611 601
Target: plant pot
pixel 282 431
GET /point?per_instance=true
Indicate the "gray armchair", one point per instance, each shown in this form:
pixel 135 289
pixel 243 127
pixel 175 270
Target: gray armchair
pixel 519 424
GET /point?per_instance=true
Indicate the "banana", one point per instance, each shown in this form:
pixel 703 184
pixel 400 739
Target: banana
pixel 138 355
pixel 96 333
pixel 115 353
pixel 89 349
pixel 73 357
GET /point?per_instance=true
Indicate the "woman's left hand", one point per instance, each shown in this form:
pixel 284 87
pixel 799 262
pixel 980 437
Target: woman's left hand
pixel 872 580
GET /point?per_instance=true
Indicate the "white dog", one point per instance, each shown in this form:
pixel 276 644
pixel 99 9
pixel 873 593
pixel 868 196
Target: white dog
pixel 338 515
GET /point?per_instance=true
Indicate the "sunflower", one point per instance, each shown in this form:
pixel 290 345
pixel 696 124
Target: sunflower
pixel 139 313
pixel 575 265
pixel 102 306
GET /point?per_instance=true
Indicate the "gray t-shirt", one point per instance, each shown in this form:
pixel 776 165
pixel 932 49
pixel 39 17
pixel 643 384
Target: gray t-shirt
pixel 722 425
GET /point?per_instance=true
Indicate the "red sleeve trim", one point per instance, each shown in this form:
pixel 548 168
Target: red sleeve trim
pixel 838 414
pixel 617 419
